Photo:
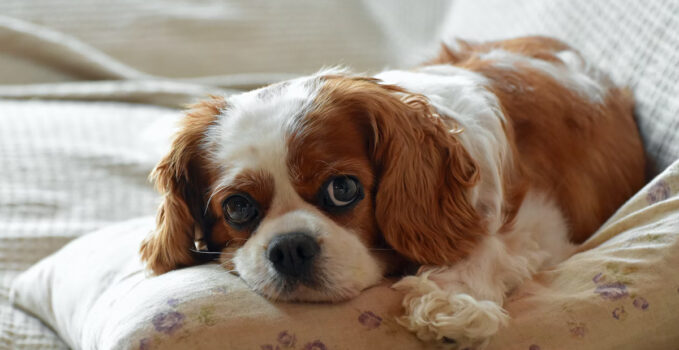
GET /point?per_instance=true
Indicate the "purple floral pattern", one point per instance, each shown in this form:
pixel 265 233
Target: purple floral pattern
pixel 168 322
pixel 619 313
pixel 315 345
pixel 658 192
pixel 640 303
pixel 145 344
pixel 612 291
pixel 270 347
pixel 173 302
pixel 369 320
pixel 286 339
pixel 599 277
pixel 577 329
pixel 219 290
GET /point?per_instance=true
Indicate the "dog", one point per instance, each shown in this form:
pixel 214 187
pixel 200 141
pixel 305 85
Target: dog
pixel 481 167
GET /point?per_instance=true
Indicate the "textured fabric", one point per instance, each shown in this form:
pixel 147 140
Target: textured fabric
pixel 635 41
pixel 68 168
pixel 243 43
pixel 173 52
pixel 97 39
pixel 609 296
pixel 115 306
pixel 620 292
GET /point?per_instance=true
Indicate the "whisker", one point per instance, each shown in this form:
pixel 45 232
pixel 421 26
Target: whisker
pixel 234 239
pixel 237 239
pixel 203 252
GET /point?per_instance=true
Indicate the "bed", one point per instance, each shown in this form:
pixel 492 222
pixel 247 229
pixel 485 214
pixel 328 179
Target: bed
pixel 87 106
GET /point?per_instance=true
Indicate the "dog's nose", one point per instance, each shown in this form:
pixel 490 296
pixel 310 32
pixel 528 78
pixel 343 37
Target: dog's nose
pixel 292 254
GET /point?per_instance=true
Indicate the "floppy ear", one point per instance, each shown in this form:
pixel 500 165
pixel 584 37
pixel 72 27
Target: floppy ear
pixel 424 172
pixel 184 179
pixel 422 204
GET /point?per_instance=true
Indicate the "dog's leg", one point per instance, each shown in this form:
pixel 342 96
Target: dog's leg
pixel 460 306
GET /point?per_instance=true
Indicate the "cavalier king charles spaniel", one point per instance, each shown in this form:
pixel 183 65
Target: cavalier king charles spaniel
pixel 481 167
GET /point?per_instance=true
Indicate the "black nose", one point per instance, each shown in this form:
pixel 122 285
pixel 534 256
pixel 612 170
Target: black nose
pixel 292 254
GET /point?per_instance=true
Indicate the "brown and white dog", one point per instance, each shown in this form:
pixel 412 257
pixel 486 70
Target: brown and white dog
pixel 482 167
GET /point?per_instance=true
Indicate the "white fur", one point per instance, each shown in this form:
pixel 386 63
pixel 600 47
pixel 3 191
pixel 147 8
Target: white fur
pixel 571 75
pixel 464 301
pixel 576 63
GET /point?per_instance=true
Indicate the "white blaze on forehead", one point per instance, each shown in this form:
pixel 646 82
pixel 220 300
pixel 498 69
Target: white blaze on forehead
pixel 251 133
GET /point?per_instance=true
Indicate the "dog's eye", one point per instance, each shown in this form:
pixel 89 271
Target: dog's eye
pixel 342 191
pixel 239 209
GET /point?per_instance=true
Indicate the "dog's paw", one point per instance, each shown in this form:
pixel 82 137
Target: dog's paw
pixel 453 320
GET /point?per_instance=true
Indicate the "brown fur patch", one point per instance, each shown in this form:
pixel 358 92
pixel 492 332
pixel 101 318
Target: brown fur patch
pixel 257 184
pixel 532 46
pixel 587 156
pixel 328 145
pixel 422 172
pixel 183 178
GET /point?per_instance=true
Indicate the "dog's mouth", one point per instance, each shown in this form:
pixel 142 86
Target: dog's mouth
pixel 313 287
pixel 302 293
pixel 288 284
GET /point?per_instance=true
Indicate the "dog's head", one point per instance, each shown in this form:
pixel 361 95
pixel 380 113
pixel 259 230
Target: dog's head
pixel 307 187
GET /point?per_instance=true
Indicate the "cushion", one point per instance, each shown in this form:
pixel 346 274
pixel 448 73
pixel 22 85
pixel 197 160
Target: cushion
pixel 621 291
pixel 95 294
pixel 634 41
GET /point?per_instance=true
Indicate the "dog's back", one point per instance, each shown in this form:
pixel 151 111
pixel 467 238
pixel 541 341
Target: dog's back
pixel 572 129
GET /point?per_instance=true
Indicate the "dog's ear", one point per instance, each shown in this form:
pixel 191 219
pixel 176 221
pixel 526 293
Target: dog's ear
pixel 183 178
pixel 424 173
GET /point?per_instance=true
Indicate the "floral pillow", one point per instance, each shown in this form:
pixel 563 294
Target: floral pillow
pixel 95 293
pixel 621 291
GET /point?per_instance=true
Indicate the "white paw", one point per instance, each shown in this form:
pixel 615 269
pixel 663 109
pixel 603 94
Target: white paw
pixel 453 320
